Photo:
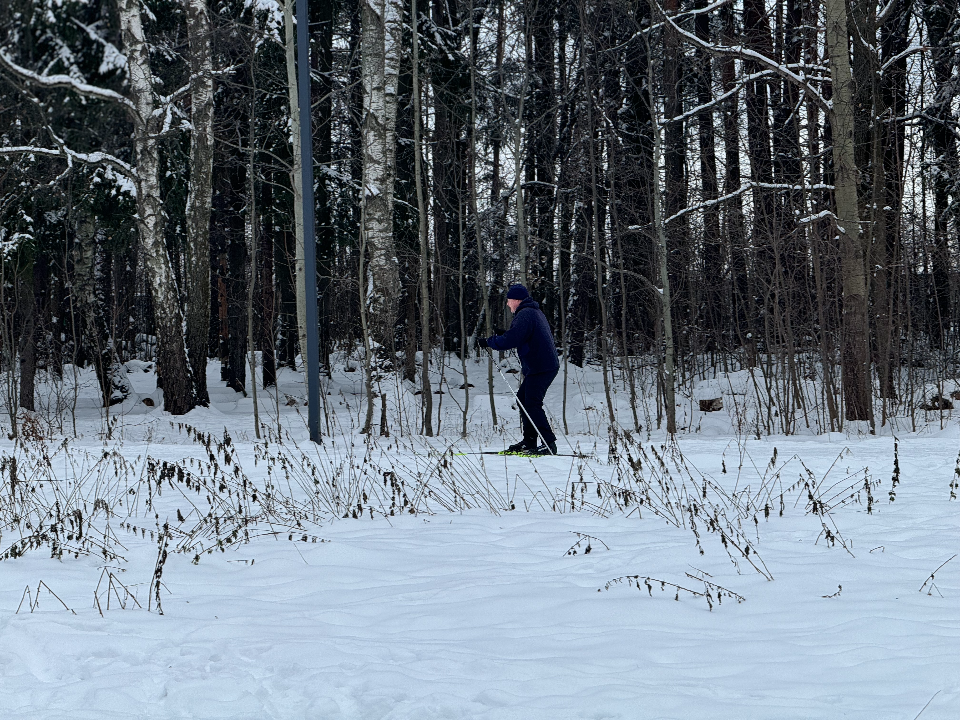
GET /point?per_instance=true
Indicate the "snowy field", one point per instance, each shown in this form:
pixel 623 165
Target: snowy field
pixel 724 576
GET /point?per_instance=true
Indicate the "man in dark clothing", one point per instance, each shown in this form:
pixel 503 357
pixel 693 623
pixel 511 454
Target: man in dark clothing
pixel 530 334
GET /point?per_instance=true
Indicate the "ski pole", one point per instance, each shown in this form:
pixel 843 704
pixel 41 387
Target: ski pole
pixel 499 370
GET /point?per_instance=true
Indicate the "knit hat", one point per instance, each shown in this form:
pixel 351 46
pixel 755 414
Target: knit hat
pixel 517 292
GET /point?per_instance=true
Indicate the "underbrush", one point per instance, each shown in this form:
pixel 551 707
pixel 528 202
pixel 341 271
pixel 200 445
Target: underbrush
pixel 69 500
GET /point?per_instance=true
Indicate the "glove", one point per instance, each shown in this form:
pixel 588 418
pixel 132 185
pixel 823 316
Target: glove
pixel 482 343
pixel 498 331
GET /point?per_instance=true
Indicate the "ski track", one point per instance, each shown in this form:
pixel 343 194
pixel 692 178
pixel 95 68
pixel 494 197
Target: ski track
pixel 479 615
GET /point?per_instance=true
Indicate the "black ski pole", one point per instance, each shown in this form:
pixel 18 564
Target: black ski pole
pixel 500 370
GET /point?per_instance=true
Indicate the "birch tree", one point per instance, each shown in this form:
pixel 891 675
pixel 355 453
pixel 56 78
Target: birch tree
pixel 178 397
pixel 380 50
pixel 140 105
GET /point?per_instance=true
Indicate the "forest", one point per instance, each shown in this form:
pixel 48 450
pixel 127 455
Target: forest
pixel 687 187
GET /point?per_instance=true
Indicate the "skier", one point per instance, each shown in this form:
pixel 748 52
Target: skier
pixel 530 334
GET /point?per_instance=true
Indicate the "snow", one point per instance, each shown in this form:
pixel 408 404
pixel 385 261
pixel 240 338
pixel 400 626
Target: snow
pixel 482 611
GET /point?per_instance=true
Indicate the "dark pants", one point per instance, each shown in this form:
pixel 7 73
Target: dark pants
pixel 531 393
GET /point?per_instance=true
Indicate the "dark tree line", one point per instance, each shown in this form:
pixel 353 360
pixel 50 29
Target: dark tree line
pixel 609 154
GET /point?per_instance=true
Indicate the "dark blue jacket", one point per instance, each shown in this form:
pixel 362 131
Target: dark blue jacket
pixel 530 335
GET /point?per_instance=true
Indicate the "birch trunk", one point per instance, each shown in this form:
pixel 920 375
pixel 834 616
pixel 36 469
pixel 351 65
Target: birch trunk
pixel 855 361
pixel 296 178
pixel 199 199
pixel 380 68
pixel 172 365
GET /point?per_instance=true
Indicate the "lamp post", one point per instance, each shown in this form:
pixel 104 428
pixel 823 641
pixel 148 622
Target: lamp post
pixel 312 351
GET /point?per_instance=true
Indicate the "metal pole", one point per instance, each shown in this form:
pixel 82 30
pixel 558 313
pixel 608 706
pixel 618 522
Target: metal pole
pixel 312 351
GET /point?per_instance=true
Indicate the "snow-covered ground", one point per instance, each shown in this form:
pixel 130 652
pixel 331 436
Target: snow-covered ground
pixel 467 608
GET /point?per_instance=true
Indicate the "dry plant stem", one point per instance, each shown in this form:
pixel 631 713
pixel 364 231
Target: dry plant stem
pixel 581 538
pixel 33 601
pixel 114 586
pixel 927 705
pixel 930 579
pixel 708 588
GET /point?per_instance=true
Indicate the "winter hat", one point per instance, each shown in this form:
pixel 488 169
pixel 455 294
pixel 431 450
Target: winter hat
pixel 517 292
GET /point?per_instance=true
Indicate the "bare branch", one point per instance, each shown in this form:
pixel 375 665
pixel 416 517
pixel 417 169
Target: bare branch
pixel 63 81
pixel 744 53
pixel 746 187
pixel 101 159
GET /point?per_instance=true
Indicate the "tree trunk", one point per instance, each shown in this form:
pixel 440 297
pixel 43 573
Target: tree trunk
pixel 325 229
pixel 598 247
pixel 27 349
pixel 380 60
pixel 887 254
pixel 941 135
pixel 855 349
pixel 712 245
pixel 734 225
pixel 250 230
pixel 542 149
pixel 172 367
pixel 448 81
pixel 522 250
pixel 634 175
pixel 788 170
pixel 680 259
pixel 405 223
pixel 267 330
pixel 669 400
pixel 766 238
pixel 296 175
pixel 95 335
pixel 199 201
pixel 475 212
pixel 426 395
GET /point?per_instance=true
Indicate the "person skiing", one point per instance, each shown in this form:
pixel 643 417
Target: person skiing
pixel 530 334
